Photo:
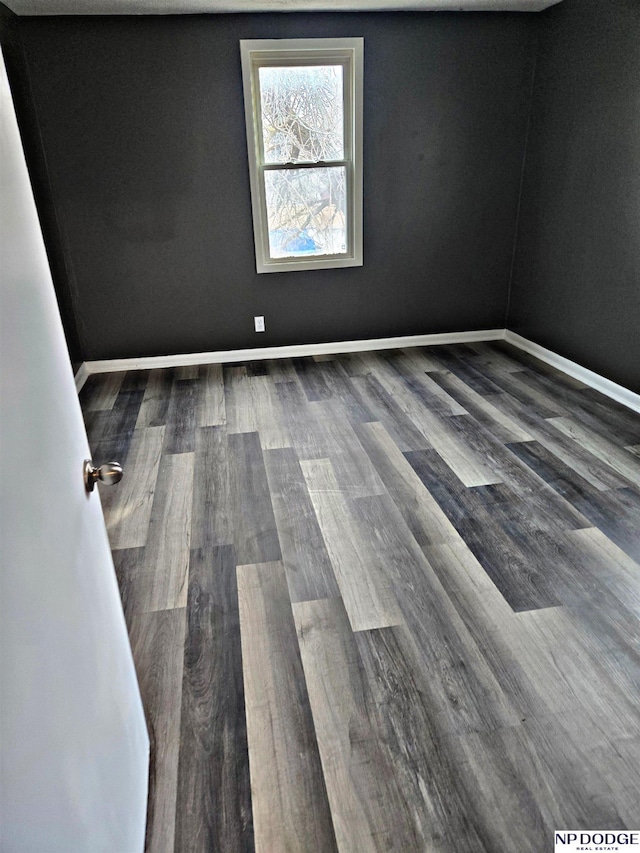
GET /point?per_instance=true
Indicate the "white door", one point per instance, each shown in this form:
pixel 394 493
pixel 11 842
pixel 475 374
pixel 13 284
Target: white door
pixel 74 743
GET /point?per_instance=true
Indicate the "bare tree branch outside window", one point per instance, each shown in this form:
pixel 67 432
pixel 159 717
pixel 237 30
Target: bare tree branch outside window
pixel 302 122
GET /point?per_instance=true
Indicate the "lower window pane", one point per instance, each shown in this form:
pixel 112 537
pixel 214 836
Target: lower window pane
pixel 306 211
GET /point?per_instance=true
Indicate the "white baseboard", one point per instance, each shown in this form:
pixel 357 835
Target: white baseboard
pixel 594 380
pixel 81 376
pixel 611 389
pixel 295 351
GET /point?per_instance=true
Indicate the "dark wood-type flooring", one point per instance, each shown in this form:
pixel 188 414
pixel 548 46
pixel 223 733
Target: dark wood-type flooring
pixel 378 602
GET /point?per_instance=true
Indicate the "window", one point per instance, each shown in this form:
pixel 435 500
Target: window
pixel 303 108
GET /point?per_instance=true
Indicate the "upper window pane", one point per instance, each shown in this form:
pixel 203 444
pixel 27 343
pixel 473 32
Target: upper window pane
pixel 302 113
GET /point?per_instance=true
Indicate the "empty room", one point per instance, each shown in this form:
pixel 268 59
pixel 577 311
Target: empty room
pixel 320 426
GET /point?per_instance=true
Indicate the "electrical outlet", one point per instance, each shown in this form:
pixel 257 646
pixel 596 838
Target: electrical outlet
pixel 258 322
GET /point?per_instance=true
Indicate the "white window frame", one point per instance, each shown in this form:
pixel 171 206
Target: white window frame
pixel 348 52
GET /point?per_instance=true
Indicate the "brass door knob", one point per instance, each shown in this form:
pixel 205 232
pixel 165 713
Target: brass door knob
pixel 110 473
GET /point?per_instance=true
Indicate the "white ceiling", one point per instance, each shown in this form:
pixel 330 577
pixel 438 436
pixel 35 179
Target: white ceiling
pixel 190 7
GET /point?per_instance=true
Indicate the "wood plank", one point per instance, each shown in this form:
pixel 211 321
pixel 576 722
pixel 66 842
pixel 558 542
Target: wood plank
pixel 398 424
pixel 454 499
pixel 253 407
pixel 155 403
pixel 542 503
pixel 213 789
pixel 463 693
pixel 401 395
pixel 255 531
pixel 306 561
pixel 267 413
pixel 240 411
pixel 513 562
pixel 356 363
pixel 127 509
pixel 117 429
pixel 550 383
pixel 491 357
pixel 182 417
pixel 430 389
pixel 616 512
pixel 310 427
pixel 434 397
pixel 212 515
pixel 365 588
pixel 354 472
pixel 290 807
pixel 257 368
pixel 88 390
pixel 281 370
pixel 580 460
pixel 462 364
pixel 322 428
pixel 135 380
pixel 622 520
pixel 157 645
pixel 502 426
pixel 344 394
pixel 386 758
pixel 421 359
pixel 450 810
pixel 536 384
pixel 312 379
pixel 443 433
pixel 529 771
pixel 620 423
pixel 308 442
pixel 211 411
pixel 106 388
pixel 526 361
pixel 423 515
pixel 546 752
pixel 588 406
pixel 625 784
pixel 129 565
pixel 471 590
pixel 564 658
pixel 510 561
pixel 368 810
pixel 615 457
pixel 535 401
pixel 615 569
pixel 548 667
pixel 609 634
pixel 96 424
pixel 489 620
pixel 166 567
pixel 556 576
pixel 466 464
pixel 187 371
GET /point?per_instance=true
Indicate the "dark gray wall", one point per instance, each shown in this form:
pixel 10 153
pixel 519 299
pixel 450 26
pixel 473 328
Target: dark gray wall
pixel 576 282
pixel 22 95
pixel 142 126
